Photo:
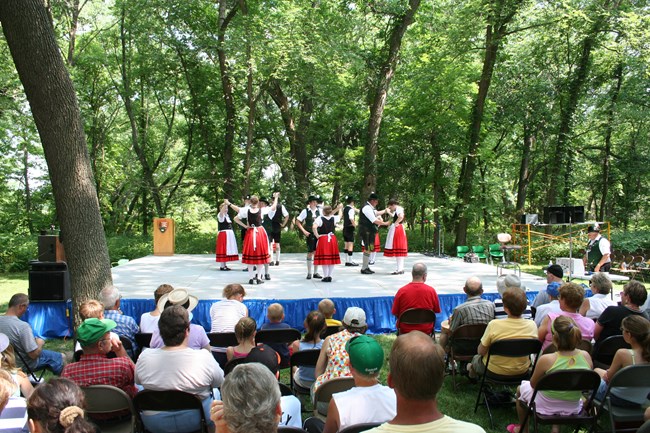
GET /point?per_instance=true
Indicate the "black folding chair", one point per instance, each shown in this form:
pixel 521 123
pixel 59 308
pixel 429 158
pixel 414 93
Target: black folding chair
pixel 463 345
pixel 605 350
pixel 302 358
pixel 330 330
pixel 128 346
pixel 32 373
pixel 223 340
pixel 418 316
pixel 358 428
pixel 165 401
pixel 230 365
pixel 514 348
pixel 278 337
pixel 143 339
pixel 582 381
pixel 633 376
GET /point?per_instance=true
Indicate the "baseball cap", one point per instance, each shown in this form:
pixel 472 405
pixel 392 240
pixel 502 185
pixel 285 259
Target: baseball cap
pixel 366 355
pixel 355 316
pixel 555 270
pixel 553 289
pixel 92 330
pixel 265 355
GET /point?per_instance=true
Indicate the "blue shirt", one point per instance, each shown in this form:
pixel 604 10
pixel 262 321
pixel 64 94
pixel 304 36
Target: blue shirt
pixel 126 325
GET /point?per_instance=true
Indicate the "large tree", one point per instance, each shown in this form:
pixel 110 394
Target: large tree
pixel 50 92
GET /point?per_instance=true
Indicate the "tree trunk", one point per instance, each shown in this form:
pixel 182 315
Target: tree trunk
pixel 28 191
pixel 384 78
pixel 53 103
pixel 524 169
pixel 607 151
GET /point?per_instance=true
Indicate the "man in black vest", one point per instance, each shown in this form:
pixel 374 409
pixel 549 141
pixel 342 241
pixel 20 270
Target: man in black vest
pixel 349 224
pixel 368 225
pixel 598 251
pixel 305 222
pixel 278 219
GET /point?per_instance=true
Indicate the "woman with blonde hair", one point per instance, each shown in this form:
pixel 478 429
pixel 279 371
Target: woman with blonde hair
pixel 8 364
pixel 245 331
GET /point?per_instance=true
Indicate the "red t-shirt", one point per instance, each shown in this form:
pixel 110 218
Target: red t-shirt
pixel 415 295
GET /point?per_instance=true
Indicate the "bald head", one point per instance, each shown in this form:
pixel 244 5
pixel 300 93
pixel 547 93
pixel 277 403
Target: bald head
pixel 473 286
pixel 419 272
pixel 416 366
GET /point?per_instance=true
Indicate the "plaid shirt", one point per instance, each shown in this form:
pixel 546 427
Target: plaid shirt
pixel 97 369
pixel 475 310
pixel 126 325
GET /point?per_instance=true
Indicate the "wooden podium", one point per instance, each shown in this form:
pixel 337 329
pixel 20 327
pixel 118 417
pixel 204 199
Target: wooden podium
pixel 164 237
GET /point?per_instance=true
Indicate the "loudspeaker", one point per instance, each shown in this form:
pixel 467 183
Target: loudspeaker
pixel 564 214
pixel 49 281
pixel 50 249
pixel 530 218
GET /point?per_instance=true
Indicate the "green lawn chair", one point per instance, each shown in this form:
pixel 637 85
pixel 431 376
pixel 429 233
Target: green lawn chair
pixel 480 252
pixel 461 250
pixel 495 252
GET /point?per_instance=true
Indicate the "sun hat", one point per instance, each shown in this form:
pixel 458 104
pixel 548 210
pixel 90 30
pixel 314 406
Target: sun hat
pixel 366 355
pixel 4 342
pixel 355 316
pixel 92 330
pixel 178 297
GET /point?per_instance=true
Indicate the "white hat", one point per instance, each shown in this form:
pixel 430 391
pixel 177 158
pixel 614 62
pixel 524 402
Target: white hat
pixel 178 297
pixel 355 316
pixel 4 342
pixel 509 281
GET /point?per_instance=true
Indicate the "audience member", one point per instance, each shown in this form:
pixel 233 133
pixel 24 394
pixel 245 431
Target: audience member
pixel 275 316
pixel 566 336
pixel 56 407
pixel 475 310
pixel 177 367
pixel 94 367
pixel 251 401
pixel 334 360
pixel 226 313
pixel 636 332
pixel 22 338
pixel 601 286
pixel 553 292
pixel 554 274
pixel 327 307
pixel 13 407
pixel 265 355
pixel 571 297
pixel 416 294
pixel 505 282
pixel 8 388
pixel 245 331
pixel 368 401
pixel 126 326
pixel 512 327
pixel 633 296
pixel 149 320
pixel 417 371
pixel 314 324
pixel 92 308
pixel 198 338
pixel 8 365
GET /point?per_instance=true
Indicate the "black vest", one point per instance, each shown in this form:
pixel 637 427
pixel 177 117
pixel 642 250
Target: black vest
pixel 347 222
pixel 327 226
pixel 309 219
pixel 277 219
pixel 225 225
pixel 255 219
pixel 365 222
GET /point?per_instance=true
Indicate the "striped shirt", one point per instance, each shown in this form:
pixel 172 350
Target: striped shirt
pixel 500 312
pixel 475 310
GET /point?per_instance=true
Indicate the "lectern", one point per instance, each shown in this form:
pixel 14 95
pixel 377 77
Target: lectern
pixel 164 237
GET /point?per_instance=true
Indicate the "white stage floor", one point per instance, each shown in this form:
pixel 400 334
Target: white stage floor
pixel 200 274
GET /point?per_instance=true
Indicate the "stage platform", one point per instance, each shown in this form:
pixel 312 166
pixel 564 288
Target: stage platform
pixel 200 274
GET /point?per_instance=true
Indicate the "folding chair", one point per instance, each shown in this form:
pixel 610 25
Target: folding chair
pixel 418 316
pixel 144 340
pixel 479 250
pixel 495 252
pixel 323 393
pixel 278 337
pixel 128 346
pixel 583 381
pixel 230 365
pixel 463 345
pixel 223 340
pixel 606 349
pixel 32 373
pixel 166 401
pixel 634 376
pixel 461 251
pixel 302 358
pixel 514 348
pixel 106 399
pixel 358 428
pixel 330 330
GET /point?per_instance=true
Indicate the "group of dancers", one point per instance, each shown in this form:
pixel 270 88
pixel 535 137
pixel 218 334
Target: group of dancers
pixel 262 223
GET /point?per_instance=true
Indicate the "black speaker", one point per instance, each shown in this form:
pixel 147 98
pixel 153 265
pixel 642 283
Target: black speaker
pixel 49 281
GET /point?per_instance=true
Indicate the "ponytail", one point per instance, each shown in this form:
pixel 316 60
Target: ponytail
pixel 314 323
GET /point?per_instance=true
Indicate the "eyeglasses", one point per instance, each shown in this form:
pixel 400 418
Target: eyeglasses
pixel 104 340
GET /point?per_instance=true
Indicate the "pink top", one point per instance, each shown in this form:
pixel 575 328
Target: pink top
pixel 585 325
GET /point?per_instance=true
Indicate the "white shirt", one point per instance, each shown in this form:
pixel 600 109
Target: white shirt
pixel 243 212
pixel 604 245
pixel 597 305
pixel 543 310
pixel 303 214
pixel 225 314
pixel 363 404
pixel 221 218
pixel 284 212
pixel 369 212
pixel 291 415
pixel 149 323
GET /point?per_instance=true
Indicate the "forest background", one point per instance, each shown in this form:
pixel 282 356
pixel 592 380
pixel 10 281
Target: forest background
pixel 469 112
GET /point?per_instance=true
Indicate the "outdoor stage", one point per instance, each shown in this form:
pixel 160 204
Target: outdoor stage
pixel 200 274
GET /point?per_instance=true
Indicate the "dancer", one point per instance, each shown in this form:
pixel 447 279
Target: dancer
pixel 305 222
pixel 226 250
pixel 327 248
pixel 266 224
pixel 349 225
pixel 368 226
pixel 238 209
pixel 279 218
pixel 396 243
pixel 256 243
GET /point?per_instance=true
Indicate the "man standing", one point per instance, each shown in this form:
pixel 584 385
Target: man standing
pixel 95 368
pixel 598 251
pixel 126 325
pixel 279 218
pixel 305 222
pixel 368 226
pixel 349 225
pixel 417 370
pixel 554 274
pixel 22 337
pixel 416 294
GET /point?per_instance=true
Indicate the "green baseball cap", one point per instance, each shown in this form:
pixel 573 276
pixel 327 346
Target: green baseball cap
pixel 92 330
pixel 366 355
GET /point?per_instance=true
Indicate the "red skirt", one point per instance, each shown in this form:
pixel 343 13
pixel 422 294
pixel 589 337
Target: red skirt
pixel 226 249
pixel 396 243
pixel 377 244
pixel 327 251
pixel 256 247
